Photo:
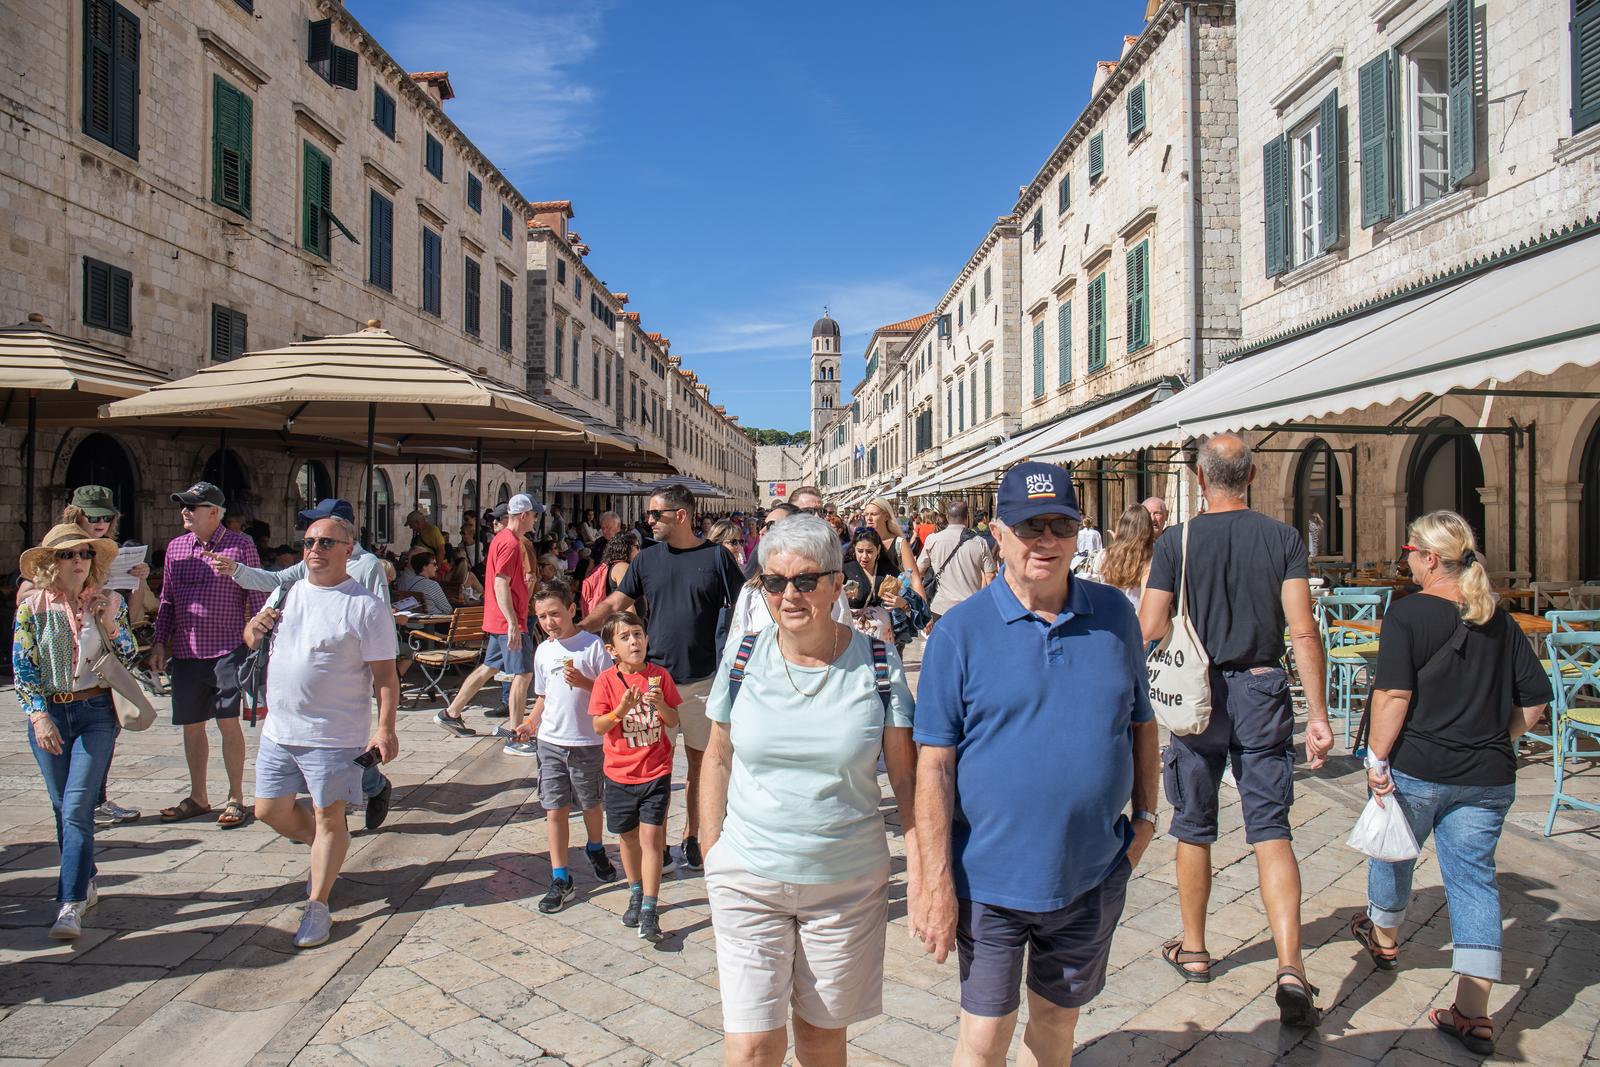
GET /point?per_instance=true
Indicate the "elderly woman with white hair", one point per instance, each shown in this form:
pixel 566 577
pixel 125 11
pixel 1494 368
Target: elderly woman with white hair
pixel 797 865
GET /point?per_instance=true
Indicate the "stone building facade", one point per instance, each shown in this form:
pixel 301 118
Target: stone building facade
pixel 189 180
pixel 780 469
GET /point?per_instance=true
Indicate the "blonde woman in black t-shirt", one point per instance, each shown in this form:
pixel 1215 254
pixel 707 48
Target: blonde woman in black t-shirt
pixel 1456 685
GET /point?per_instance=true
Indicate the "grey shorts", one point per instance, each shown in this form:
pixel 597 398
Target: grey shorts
pixel 1252 726
pixel 570 776
pixel 329 775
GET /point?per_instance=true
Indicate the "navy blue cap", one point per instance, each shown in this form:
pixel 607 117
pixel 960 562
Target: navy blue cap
pixel 329 509
pixel 1030 489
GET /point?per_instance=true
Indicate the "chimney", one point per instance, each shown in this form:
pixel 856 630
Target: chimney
pixel 1102 71
pixel 437 85
pixel 553 215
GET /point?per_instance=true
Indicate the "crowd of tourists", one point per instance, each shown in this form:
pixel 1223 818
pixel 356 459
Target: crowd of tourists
pixel 769 648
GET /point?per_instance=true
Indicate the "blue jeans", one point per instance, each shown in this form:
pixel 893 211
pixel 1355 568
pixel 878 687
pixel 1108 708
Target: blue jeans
pixel 372 781
pixel 88 730
pixel 1467 820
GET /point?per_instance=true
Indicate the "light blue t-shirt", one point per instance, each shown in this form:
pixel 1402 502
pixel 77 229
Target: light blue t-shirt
pixel 803 797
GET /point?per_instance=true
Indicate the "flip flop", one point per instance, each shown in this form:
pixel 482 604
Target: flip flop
pixel 184 809
pixel 233 816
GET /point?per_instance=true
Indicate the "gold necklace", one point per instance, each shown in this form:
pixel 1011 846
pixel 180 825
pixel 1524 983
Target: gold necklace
pixel 825 674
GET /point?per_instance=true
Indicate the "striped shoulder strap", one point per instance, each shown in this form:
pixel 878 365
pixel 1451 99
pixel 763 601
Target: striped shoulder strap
pixel 880 671
pixel 741 658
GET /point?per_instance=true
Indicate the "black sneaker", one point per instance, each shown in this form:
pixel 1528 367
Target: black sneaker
pixel 690 850
pixel 502 712
pixel 453 724
pixel 635 902
pixel 649 926
pixel 666 860
pixel 603 868
pixel 556 898
pixel 378 805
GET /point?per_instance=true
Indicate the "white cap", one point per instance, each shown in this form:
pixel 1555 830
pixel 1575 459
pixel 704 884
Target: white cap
pixel 521 503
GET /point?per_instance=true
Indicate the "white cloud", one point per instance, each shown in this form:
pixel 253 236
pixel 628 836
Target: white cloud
pixel 859 307
pixel 517 71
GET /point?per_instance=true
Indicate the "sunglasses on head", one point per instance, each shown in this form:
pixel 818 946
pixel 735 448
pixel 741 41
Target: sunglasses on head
pixel 324 543
pixel 75 553
pixel 1029 529
pixel 775 584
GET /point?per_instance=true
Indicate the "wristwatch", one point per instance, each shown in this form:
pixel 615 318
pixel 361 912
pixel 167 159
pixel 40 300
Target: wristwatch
pixel 1147 816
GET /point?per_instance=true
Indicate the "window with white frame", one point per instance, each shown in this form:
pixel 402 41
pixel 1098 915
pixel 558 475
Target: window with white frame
pixel 1307 144
pixel 1424 118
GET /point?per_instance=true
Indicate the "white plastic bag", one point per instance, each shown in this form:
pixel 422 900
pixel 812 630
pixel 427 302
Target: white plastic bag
pixel 1383 833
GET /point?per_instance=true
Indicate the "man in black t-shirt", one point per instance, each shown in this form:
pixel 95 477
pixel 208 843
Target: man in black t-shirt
pixel 687 582
pixel 1246 580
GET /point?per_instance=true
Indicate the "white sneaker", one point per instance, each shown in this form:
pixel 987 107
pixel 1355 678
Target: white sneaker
pixel 93 898
pixel 112 812
pixel 69 922
pixel 315 926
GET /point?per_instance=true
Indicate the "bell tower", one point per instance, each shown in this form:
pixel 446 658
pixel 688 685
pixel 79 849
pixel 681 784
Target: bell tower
pixel 824 372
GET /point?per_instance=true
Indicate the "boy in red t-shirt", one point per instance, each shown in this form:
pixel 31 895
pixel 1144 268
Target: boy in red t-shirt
pixel 633 704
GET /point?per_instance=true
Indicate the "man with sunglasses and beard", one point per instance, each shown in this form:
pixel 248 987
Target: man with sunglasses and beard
pixel 333 645
pixel 1034 697
pixel 687 582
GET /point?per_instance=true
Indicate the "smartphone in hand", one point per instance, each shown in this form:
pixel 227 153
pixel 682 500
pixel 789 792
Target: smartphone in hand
pixel 369 758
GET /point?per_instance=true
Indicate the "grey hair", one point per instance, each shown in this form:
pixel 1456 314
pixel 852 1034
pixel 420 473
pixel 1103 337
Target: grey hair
pixel 1226 463
pixel 604 515
pixel 806 536
pixel 343 525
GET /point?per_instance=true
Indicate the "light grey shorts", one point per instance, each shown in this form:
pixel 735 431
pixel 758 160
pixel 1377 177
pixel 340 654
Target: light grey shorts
pixel 329 775
pixel 693 725
pixel 570 776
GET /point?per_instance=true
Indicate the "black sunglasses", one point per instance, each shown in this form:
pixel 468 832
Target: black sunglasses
pixel 656 516
pixel 324 543
pixel 81 553
pixel 811 511
pixel 775 584
pixel 1028 529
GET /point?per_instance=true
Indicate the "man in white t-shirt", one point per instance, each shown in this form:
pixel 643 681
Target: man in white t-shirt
pixel 333 643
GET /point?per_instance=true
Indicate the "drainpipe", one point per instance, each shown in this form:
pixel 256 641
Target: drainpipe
pixel 1192 223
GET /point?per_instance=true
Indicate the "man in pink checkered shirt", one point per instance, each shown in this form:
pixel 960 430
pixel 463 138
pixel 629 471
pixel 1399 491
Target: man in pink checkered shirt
pixel 200 638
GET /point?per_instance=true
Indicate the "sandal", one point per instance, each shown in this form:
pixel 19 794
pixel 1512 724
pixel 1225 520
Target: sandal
pixel 184 809
pixel 1384 957
pixel 233 816
pixel 1295 1004
pixel 1464 1028
pixel 1177 956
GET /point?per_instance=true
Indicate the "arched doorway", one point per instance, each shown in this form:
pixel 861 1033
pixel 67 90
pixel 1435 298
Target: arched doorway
pixel 380 524
pixel 469 498
pixel 1318 514
pixel 312 483
pixel 1446 472
pixel 1589 511
pixel 505 493
pixel 224 471
pixel 100 460
pixel 428 498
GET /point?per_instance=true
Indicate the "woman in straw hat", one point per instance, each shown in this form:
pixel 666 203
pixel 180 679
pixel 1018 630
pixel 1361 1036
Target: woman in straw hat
pixel 62 628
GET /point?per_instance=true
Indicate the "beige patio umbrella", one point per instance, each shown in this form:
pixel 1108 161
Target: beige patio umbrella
pixel 327 388
pixel 59 379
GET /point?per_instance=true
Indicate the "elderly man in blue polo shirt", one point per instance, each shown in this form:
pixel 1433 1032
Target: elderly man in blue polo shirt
pixel 1034 719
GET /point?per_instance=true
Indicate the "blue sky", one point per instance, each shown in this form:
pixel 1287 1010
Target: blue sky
pixel 735 166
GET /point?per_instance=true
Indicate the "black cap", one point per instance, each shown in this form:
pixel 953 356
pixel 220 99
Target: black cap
pixel 200 493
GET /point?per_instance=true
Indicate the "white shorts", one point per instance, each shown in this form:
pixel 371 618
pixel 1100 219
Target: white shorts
pixel 329 775
pixel 693 725
pixel 818 948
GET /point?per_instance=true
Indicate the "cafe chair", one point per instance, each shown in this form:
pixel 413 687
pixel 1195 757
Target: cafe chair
pixel 1383 592
pixel 1574 676
pixel 1508 579
pixel 461 646
pixel 1549 595
pixel 1347 649
pixel 1584 597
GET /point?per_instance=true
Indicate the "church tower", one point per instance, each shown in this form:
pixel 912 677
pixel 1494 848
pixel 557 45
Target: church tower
pixel 824 372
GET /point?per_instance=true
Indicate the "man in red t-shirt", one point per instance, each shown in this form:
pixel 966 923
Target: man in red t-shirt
pixel 505 620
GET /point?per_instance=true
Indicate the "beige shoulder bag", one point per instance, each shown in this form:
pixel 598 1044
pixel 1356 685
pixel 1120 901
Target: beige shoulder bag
pixel 1179 668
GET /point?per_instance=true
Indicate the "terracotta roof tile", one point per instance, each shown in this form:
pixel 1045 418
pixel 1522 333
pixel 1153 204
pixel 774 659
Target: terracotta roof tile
pixel 441 78
pixel 911 325
pixel 543 206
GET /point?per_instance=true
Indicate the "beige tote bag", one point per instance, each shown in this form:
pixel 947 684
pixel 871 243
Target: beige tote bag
pixel 1179 669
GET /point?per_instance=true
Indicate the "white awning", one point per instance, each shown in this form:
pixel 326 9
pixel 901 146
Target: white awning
pixel 989 467
pixel 1533 315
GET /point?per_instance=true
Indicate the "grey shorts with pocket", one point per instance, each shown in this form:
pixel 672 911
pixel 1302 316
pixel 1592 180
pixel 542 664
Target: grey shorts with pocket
pixel 570 776
pixel 1252 726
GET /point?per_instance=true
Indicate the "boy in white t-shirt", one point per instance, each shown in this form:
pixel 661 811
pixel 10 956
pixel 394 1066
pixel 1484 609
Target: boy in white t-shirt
pixel 565 666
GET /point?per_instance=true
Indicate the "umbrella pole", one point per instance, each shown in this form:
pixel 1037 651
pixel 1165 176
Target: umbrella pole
pixel 477 500
pixel 372 427
pixel 583 486
pixel 27 507
pixel 222 462
pixel 544 490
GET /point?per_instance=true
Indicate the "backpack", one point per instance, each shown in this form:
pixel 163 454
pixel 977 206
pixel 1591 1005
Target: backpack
pixel 747 645
pixel 930 583
pixel 593 589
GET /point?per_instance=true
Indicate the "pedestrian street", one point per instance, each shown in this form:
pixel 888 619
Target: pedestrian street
pixel 439 956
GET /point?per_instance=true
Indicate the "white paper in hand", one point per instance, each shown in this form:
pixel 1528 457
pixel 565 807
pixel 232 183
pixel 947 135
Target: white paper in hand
pixel 1383 833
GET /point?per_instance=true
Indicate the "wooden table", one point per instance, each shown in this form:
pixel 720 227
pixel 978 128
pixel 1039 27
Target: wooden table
pixel 1533 625
pixel 1368 626
pixel 1518 595
pixel 413 620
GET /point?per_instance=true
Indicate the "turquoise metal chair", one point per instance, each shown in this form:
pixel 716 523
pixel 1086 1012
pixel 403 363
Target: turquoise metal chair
pixel 1574 670
pixel 1384 592
pixel 1348 651
pixel 1561 623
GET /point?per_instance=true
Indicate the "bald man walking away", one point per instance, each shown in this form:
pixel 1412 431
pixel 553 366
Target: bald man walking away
pixel 1247 578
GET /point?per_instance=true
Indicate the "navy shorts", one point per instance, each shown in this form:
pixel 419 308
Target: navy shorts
pixel 206 689
pixel 1067 949
pixel 628 804
pixel 1252 725
pixel 500 657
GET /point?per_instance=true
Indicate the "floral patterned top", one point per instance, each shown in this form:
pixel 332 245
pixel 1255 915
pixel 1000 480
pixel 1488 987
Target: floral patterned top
pixel 44 651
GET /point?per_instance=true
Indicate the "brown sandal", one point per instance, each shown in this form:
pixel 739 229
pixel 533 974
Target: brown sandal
pixel 1464 1028
pixel 233 816
pixel 1384 957
pixel 1295 1004
pixel 1177 956
pixel 186 808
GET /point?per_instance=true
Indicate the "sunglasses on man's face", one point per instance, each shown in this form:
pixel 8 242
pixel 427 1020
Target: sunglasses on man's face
pixel 656 516
pixel 69 553
pixel 323 543
pixel 193 508
pixel 811 511
pixel 1029 529
pixel 775 584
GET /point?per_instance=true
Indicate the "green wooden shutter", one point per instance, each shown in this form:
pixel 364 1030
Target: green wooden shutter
pixel 972 400
pixel 121 300
pixel 228 329
pixel 96 294
pixel 1064 342
pixel 1461 64
pixel 1064 194
pixel 1097 322
pixel 1377 141
pixel 1137 308
pixel 99 44
pixel 505 317
pixel 1135 111
pixel 560 349
pixel 230 147
pixel 1038 359
pixel 988 388
pixel 1275 202
pixel 471 279
pixel 432 271
pixel 1330 205
pixel 1585 64
pixel 316 195
pixel 1097 156
pixel 380 242
pixel 125 85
